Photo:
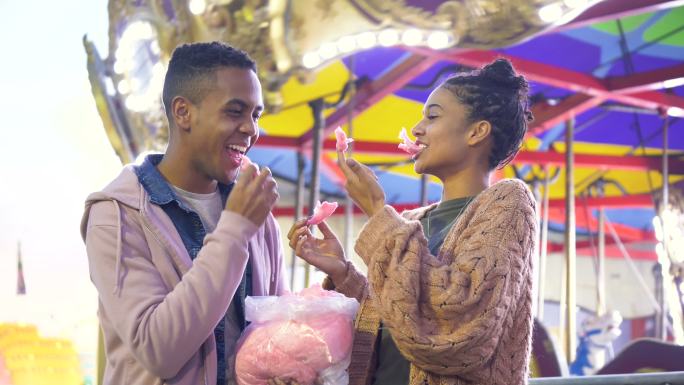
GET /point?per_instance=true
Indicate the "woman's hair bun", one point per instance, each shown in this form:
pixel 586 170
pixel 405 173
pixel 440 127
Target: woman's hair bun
pixel 501 72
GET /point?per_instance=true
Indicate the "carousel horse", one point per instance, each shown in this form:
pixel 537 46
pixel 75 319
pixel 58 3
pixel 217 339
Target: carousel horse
pixel 596 335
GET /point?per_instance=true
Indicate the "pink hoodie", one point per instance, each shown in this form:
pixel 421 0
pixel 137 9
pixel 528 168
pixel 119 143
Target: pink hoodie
pixel 157 307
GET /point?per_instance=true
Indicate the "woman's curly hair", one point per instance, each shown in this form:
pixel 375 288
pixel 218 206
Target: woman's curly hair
pixel 497 94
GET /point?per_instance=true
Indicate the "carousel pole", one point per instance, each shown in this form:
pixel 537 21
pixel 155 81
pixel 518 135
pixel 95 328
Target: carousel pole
pixel 601 274
pixel 423 190
pixel 570 244
pixel 543 246
pixel 299 204
pixel 348 202
pixel 661 321
pixel 317 107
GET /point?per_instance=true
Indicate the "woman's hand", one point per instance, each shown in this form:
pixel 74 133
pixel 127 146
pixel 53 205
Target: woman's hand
pixel 326 254
pixel 362 185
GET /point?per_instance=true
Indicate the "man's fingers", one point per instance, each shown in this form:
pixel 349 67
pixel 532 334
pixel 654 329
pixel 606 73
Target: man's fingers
pixel 261 178
pixel 247 173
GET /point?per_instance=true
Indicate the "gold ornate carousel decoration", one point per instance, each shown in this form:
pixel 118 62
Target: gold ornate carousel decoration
pixel 287 38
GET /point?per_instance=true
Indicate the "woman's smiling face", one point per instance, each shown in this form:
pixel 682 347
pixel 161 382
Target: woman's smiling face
pixel 443 132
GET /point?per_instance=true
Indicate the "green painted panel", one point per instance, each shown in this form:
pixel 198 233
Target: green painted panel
pixel 673 20
pixel 628 24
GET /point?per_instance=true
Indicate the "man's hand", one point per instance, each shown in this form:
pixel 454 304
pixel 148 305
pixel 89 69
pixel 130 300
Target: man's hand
pixel 253 196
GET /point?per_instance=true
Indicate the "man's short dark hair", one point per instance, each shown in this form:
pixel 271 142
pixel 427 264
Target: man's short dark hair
pixel 192 70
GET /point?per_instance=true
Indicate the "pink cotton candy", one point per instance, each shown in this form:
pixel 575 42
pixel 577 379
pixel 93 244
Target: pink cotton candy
pixel 408 145
pixel 304 337
pixel 342 140
pixel 321 212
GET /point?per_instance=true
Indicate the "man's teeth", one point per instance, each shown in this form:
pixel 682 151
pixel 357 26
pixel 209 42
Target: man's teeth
pixel 240 149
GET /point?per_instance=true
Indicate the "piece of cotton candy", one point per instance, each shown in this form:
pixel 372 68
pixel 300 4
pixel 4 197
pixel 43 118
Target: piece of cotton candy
pixel 342 140
pixel 321 212
pixel 408 145
pixel 306 337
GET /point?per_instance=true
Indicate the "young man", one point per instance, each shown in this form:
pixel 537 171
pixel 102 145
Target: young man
pixel 175 244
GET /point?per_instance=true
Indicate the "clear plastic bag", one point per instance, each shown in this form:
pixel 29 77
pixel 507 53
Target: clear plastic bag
pixel 305 337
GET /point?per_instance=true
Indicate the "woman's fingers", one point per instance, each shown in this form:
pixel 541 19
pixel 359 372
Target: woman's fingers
pixel 326 231
pixel 300 233
pixel 298 224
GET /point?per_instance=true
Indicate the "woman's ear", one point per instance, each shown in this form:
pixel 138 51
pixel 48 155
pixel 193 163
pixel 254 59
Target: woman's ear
pixel 479 132
pixel 180 111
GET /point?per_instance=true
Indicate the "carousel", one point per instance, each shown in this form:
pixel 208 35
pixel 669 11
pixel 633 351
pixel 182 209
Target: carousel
pixel 604 155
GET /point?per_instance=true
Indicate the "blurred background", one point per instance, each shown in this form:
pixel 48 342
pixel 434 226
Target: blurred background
pixel 81 80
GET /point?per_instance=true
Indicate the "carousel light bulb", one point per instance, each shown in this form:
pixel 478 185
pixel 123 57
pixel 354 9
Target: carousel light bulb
pixel 154 47
pixel 138 30
pixel 388 37
pixel 119 67
pixel 658 228
pixel 136 103
pixel 123 87
pixel 327 51
pixel 676 112
pixel 411 37
pixel 109 85
pixel 660 251
pixel 438 40
pixel 551 13
pixel 366 40
pixel 197 7
pixel 311 60
pixel 672 83
pixel 346 44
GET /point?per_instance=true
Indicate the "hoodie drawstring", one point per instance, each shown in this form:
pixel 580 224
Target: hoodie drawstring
pixel 119 257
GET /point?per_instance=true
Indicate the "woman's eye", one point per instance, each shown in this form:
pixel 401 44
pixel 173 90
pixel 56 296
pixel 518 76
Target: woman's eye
pixel 430 117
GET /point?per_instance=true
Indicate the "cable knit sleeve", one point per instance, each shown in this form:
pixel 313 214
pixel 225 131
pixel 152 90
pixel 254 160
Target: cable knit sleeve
pixel 446 313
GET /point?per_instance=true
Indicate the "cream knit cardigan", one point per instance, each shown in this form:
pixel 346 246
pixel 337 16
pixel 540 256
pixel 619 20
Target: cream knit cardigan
pixel 463 316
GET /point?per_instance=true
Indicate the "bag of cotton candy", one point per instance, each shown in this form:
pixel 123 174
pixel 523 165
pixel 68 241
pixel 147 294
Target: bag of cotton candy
pixel 306 337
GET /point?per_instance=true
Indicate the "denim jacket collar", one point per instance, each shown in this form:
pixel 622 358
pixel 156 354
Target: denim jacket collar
pixel 158 188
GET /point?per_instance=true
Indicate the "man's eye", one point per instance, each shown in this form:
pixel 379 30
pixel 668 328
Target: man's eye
pixel 234 112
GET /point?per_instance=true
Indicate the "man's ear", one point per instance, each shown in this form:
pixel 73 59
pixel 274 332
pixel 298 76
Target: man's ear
pixel 180 112
pixel 479 132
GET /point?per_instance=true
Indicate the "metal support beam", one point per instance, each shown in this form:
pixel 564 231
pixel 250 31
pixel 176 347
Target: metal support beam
pixel 317 107
pixel 375 91
pixel 570 246
pixel 671 378
pixel 624 201
pixel 558 77
pixel 647 81
pixel 298 209
pixel 547 116
pixel 601 270
pixel 661 322
pixel 543 247
pixel 616 9
pixel 634 163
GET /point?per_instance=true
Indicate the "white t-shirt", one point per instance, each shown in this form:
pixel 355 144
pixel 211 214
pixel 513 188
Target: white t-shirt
pixel 209 208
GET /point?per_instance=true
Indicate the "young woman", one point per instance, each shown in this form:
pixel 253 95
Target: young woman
pixel 448 294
